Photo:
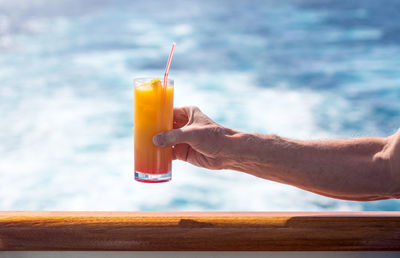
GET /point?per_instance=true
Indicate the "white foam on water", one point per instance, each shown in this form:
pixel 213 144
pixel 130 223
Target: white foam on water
pixel 66 129
pixel 242 105
pixel 60 152
pixel 236 101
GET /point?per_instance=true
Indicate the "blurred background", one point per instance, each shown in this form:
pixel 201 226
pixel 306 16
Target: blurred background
pixel 301 69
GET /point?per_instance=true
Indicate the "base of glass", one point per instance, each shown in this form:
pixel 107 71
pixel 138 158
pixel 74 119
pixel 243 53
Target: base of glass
pixel 152 178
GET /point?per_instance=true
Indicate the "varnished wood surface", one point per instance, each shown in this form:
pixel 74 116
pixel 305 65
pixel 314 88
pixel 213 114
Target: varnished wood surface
pixel 198 254
pixel 198 231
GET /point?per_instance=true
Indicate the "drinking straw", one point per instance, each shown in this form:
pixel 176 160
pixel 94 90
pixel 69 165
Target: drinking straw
pixel 164 88
pixel 168 64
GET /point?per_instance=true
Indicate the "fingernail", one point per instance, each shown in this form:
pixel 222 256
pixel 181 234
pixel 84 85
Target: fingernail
pixel 157 140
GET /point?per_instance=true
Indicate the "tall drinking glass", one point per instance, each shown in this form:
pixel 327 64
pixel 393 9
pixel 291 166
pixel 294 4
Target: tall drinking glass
pixel 153 113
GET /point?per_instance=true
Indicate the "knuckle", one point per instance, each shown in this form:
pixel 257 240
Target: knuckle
pixel 194 109
pixel 216 130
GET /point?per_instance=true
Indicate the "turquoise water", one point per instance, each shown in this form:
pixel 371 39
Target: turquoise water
pixel 301 69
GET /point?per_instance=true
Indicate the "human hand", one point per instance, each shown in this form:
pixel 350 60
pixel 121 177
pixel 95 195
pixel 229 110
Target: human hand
pixel 196 139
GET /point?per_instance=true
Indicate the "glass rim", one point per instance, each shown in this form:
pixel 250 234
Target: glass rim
pixel 147 79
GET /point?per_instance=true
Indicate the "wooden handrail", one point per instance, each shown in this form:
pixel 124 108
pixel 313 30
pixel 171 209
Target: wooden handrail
pixel 200 231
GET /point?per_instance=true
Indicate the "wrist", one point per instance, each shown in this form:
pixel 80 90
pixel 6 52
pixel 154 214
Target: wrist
pixel 243 150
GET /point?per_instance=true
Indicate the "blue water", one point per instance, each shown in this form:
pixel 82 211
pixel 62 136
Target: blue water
pixel 301 69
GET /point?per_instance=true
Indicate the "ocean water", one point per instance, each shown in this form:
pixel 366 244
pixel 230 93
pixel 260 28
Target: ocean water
pixel 300 69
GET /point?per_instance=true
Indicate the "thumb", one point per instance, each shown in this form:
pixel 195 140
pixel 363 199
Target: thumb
pixel 169 138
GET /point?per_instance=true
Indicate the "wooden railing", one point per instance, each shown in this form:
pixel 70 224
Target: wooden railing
pixel 200 231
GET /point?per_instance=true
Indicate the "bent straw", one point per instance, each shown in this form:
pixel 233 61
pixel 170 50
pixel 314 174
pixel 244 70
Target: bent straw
pixel 168 64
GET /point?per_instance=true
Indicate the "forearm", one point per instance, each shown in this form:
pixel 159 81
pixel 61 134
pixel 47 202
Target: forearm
pixel 344 169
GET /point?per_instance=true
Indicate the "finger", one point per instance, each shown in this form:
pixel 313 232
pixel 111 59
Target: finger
pixel 192 110
pixel 180 117
pixel 185 115
pixel 171 137
pixel 180 151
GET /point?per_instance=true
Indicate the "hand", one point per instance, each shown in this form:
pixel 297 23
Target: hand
pixel 196 139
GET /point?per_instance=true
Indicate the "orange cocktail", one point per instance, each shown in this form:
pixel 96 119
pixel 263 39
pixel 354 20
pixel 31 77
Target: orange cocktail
pixel 153 113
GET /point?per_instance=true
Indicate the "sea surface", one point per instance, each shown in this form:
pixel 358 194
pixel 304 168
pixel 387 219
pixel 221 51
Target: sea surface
pixel 299 69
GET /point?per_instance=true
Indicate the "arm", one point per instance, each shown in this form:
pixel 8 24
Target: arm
pixel 355 169
pixel 363 169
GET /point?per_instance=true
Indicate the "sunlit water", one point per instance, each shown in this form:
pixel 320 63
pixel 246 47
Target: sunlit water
pixel 300 69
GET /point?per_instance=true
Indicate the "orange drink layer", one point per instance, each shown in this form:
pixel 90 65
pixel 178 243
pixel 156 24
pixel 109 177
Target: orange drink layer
pixel 153 113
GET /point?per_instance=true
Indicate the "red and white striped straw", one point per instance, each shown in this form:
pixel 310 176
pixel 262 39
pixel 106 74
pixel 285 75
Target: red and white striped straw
pixel 168 64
